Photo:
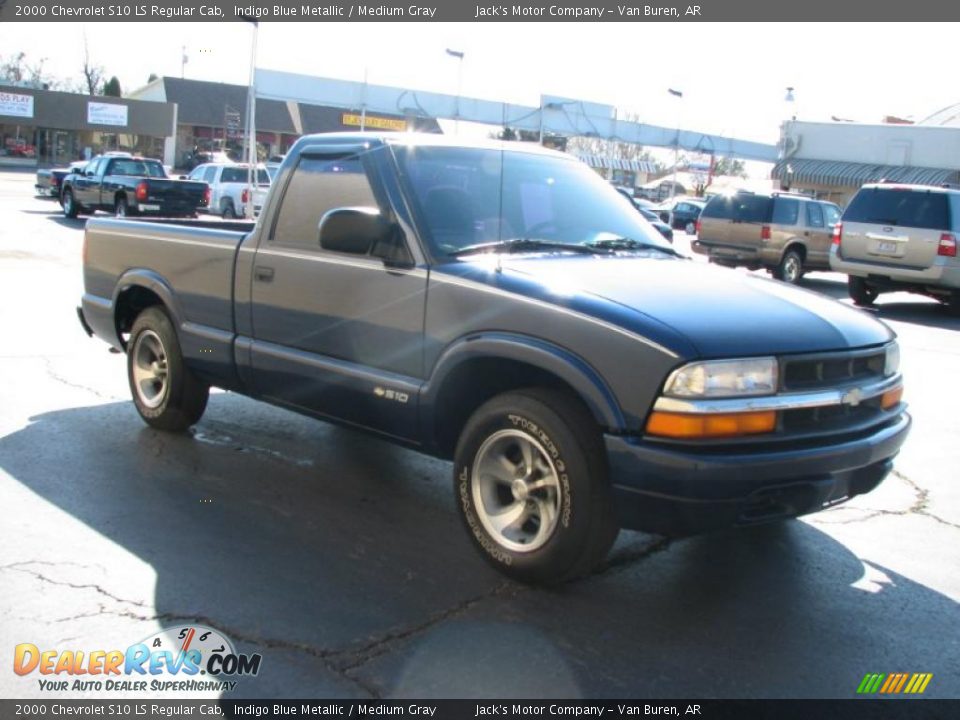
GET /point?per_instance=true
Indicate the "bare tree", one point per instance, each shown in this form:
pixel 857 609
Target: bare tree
pixel 17 69
pixel 93 74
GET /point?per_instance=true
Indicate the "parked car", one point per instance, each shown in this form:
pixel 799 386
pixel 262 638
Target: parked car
pixel 229 190
pixel 49 181
pixel 127 185
pixel 900 237
pixel 648 214
pixel 680 213
pixel 500 305
pixel 785 233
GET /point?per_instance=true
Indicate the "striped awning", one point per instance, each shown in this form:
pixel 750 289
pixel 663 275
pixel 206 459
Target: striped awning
pixel 607 162
pixel 848 174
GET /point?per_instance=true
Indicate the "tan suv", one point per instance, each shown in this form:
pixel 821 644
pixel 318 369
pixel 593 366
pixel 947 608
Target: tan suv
pixel 900 237
pixel 785 233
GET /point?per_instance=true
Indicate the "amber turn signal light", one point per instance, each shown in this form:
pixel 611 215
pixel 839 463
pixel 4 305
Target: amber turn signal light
pixel 891 398
pixel 691 427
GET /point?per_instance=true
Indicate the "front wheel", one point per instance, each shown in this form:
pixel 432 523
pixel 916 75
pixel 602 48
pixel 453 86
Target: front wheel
pixel 531 484
pixel 166 393
pixel 861 293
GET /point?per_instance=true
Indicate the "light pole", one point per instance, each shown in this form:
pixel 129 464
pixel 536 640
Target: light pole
pixel 459 55
pixel 678 94
pixel 251 120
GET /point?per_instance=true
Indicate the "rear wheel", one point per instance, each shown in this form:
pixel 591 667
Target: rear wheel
pixel 70 207
pixel 860 292
pixel 228 212
pixel 531 484
pixel 166 393
pixel 120 207
pixel 790 269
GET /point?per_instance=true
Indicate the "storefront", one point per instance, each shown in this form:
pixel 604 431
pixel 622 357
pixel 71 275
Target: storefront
pixel 211 119
pixel 46 128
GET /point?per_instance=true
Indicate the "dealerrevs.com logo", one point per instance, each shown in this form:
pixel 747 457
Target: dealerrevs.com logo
pixel 188 658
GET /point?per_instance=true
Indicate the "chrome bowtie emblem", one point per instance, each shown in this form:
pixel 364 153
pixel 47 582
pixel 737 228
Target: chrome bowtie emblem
pixel 852 397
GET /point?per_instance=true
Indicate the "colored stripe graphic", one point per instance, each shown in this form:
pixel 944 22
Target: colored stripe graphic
pixel 894 683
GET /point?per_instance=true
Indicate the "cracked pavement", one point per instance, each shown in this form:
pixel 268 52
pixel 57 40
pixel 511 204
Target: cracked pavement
pixel 341 559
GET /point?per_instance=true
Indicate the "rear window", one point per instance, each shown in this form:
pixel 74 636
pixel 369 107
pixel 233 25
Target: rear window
pixel 239 175
pixel 741 207
pixel 899 207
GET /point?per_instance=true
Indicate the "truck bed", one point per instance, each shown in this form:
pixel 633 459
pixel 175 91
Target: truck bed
pixel 196 257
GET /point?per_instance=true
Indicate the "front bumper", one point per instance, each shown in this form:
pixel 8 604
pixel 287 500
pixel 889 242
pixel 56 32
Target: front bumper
pixel 673 491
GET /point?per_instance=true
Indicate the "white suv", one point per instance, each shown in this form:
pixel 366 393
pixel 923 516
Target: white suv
pixel 900 237
pixel 229 194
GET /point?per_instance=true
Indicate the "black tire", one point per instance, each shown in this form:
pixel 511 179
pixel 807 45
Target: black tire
pixel 121 208
pixel 953 304
pixel 175 399
pixel 229 212
pixel 790 269
pixel 860 292
pixel 566 457
pixel 70 207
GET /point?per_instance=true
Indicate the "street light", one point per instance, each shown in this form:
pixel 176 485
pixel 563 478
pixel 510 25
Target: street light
pixel 676 144
pixel 791 100
pixel 251 120
pixel 459 55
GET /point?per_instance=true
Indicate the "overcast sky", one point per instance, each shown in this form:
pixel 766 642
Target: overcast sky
pixel 733 75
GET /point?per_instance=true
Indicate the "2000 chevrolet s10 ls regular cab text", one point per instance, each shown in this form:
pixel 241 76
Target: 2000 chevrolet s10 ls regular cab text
pixel 500 305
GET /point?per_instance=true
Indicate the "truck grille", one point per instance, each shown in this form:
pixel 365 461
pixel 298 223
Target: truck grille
pixel 813 372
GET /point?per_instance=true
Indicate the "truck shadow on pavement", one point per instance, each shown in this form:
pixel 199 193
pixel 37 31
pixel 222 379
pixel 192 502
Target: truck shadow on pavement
pixel 341 559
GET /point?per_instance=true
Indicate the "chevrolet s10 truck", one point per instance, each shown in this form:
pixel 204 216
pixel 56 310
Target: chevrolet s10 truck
pixel 499 305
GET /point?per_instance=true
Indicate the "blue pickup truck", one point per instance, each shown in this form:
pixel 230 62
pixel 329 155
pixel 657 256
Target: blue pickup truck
pixel 124 185
pixel 499 305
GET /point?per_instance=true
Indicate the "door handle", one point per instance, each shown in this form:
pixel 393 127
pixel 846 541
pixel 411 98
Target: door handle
pixel 262 273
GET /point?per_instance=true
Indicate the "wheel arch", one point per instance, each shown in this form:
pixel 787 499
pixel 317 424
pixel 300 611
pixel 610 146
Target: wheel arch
pixel 137 290
pixel 475 369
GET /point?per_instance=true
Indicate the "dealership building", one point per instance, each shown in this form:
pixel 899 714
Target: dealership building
pixel 169 119
pixel 44 127
pixel 211 116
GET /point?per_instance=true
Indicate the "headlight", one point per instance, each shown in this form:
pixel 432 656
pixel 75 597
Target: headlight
pixel 891 363
pixel 724 378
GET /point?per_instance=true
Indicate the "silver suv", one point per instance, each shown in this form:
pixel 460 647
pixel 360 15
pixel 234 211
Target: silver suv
pixel 900 237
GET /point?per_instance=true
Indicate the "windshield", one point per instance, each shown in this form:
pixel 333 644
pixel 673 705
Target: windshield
pixel 471 196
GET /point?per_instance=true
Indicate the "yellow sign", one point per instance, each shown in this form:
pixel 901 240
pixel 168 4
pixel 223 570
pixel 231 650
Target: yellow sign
pixel 372 121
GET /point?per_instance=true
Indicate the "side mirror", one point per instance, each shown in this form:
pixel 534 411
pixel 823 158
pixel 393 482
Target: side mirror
pixel 355 230
pixel 184 177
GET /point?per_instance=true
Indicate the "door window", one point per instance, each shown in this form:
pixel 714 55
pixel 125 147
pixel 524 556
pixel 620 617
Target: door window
pixel 786 211
pixel 814 215
pixel 319 184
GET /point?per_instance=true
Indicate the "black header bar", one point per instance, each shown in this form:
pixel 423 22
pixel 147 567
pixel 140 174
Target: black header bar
pixel 587 11
pixel 490 709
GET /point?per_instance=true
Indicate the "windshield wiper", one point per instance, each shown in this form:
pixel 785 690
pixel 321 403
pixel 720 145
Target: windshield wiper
pixel 625 243
pixel 527 245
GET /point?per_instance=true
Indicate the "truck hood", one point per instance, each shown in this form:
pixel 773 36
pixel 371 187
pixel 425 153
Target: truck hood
pixel 689 307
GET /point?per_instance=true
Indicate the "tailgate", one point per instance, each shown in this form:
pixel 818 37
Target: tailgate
pixel 897 226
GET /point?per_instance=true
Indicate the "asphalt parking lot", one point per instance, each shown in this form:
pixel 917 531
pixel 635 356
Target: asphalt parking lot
pixel 341 560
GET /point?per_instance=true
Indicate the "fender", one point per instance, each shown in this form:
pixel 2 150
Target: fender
pixel 153 281
pixel 570 368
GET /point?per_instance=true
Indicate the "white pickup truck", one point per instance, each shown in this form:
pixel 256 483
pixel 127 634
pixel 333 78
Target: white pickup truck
pixel 229 191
